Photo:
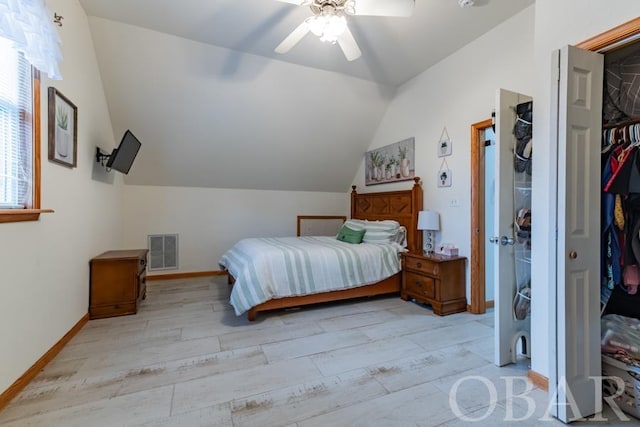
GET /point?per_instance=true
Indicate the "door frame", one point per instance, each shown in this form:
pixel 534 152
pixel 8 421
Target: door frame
pixel 621 35
pixel 478 303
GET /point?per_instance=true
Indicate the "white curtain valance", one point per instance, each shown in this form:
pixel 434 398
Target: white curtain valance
pixel 28 25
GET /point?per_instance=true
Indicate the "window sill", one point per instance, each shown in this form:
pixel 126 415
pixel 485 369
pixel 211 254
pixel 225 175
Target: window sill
pixel 18 215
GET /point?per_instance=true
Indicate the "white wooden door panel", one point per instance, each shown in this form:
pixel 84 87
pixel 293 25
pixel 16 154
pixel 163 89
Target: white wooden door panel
pixel 504 264
pixel 578 284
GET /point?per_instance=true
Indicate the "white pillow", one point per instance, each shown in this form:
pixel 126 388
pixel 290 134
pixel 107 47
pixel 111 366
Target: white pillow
pixel 380 231
pixel 354 224
pixel 387 224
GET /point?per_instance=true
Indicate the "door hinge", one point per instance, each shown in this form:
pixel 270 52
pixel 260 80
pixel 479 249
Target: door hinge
pixel 556 62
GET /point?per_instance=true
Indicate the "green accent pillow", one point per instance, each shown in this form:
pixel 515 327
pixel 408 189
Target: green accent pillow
pixel 349 235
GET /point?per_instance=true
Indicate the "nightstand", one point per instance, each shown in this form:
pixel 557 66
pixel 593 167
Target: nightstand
pixel 117 283
pixel 436 280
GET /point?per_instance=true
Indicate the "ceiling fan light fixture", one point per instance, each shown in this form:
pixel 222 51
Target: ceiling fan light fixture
pixel 329 22
pixel 329 38
pixel 327 26
pixel 316 25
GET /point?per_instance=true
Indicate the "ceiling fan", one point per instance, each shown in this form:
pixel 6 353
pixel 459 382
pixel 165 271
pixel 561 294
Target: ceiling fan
pixel 330 24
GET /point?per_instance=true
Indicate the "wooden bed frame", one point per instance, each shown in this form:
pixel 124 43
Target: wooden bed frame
pixel 402 206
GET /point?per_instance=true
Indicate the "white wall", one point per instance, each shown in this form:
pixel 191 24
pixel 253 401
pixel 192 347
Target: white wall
pixel 44 288
pixel 209 220
pixel 214 117
pixel 457 92
pixel 555 27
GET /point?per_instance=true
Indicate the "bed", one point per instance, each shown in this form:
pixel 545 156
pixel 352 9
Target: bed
pixel 401 206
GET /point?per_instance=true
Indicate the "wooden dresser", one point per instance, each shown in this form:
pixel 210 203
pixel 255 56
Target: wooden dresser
pixel 436 280
pixel 117 283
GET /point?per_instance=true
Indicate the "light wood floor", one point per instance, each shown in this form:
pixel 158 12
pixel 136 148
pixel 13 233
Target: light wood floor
pixel 186 360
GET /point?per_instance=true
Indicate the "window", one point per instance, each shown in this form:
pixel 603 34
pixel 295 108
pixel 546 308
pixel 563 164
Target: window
pixel 19 137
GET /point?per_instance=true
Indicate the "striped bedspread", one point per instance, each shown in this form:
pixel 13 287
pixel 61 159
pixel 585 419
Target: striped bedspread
pixel 268 268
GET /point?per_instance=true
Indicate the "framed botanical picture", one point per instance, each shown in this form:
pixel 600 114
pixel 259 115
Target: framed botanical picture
pixel 63 129
pixel 395 162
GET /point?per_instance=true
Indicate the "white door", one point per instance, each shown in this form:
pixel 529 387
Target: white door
pixel 504 213
pixel 573 390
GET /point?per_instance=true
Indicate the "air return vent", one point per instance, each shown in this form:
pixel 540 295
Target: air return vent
pixel 163 252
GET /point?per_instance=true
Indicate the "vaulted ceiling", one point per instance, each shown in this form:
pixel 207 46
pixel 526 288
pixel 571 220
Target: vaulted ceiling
pixel 199 83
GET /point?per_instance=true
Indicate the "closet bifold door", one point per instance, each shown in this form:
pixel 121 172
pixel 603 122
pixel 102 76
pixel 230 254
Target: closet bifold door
pixel 575 360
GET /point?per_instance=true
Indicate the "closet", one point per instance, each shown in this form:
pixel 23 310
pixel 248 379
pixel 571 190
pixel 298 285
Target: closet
pixel 620 183
pixel 575 300
pixel 620 224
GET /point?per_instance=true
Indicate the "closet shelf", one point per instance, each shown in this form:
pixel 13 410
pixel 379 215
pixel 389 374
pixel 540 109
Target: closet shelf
pixel 625 123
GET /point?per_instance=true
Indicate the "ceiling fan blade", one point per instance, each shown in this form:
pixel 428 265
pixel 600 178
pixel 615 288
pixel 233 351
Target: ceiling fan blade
pixel 349 45
pixel 401 8
pixel 293 38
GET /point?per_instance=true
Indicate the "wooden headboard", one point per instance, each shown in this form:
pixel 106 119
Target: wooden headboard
pixel 402 206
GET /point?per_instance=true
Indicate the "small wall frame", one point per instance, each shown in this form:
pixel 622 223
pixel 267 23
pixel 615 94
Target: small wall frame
pixel 444 178
pixel 445 144
pixel 63 129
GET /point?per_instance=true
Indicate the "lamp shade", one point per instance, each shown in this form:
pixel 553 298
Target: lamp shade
pixel 428 220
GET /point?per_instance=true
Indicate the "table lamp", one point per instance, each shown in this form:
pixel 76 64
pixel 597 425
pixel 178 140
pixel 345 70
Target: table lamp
pixel 429 221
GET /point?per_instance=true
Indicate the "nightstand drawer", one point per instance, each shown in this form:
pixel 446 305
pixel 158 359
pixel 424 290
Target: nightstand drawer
pixel 421 264
pixel 420 285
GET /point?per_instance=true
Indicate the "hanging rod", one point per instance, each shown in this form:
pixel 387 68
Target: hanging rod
pixel 620 124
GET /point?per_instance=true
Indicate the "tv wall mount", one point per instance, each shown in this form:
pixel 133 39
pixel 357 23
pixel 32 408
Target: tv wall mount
pixel 102 158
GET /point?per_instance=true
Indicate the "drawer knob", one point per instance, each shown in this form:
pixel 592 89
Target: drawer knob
pixel 419 284
pixel 419 264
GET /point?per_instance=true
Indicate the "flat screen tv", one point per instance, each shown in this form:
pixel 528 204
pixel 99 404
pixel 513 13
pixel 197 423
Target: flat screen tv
pixel 122 157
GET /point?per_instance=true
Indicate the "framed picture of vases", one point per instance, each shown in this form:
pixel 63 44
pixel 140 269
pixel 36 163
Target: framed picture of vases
pixel 391 163
pixel 63 129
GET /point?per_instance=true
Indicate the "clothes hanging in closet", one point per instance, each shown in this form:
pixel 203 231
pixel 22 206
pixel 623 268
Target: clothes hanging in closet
pixel 620 209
